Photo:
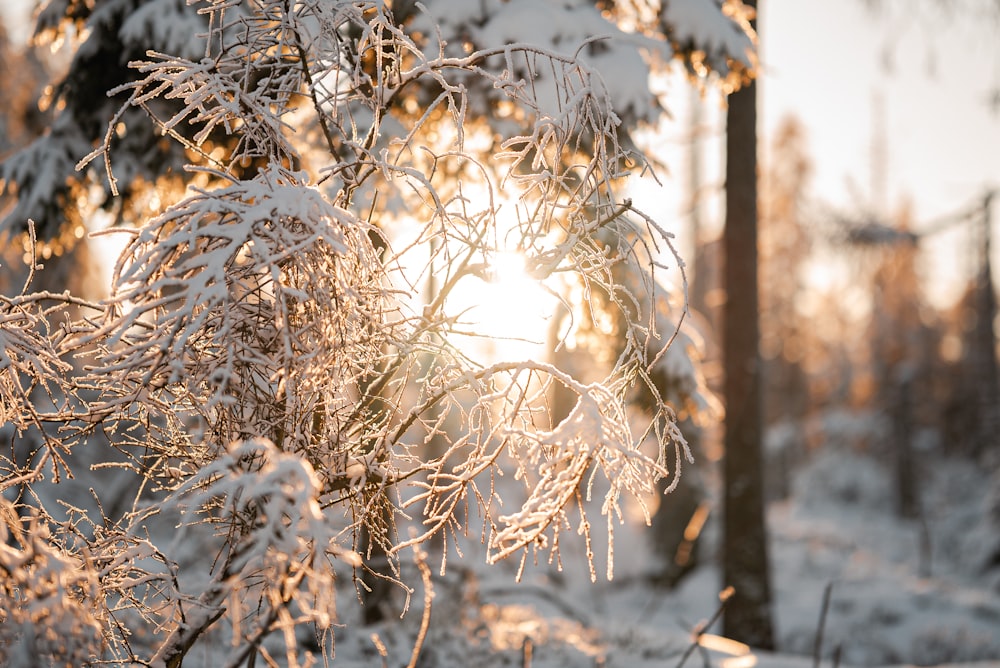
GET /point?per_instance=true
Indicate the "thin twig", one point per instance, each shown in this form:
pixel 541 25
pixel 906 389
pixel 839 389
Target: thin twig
pixel 303 57
pixel 724 596
pixel 425 621
pixel 818 646
pixel 380 648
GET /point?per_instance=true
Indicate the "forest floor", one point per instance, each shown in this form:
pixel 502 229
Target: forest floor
pixel 900 592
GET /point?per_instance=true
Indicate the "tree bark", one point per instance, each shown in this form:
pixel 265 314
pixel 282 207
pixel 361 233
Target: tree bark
pixel 745 554
pixel 984 343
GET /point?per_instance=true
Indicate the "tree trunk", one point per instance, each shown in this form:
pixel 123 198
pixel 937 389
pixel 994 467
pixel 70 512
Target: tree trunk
pixel 907 488
pixel 745 556
pixel 984 345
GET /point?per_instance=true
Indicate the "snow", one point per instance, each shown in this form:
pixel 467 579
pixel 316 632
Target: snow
pixel 889 604
pixel 619 58
pixel 899 593
pixel 701 24
pixel 615 55
pixel 836 529
pixel 169 25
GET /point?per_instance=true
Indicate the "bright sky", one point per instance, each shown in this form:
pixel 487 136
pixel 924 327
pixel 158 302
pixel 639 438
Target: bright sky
pixel 824 63
pixel 826 67
pixel 16 15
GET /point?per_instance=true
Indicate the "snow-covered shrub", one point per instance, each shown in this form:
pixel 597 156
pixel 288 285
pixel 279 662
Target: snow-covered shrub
pixel 280 356
pixel 28 361
pixel 50 598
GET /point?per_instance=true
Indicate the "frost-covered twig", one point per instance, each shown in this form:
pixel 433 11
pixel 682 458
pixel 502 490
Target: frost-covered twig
pixel 425 619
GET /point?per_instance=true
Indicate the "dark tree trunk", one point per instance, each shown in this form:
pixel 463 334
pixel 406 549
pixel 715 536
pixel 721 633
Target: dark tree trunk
pixel 907 488
pixel 745 555
pixel 984 344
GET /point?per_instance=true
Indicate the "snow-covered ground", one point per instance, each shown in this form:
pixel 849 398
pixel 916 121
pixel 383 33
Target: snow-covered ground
pixel 901 593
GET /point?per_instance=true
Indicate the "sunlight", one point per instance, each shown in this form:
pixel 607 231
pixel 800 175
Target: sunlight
pixel 506 314
pixel 513 626
pixel 740 652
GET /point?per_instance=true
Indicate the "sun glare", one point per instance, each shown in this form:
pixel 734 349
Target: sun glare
pixel 506 314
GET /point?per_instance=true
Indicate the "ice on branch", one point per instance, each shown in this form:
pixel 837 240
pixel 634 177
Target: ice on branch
pixel 28 361
pixel 559 468
pixel 277 496
pixel 277 572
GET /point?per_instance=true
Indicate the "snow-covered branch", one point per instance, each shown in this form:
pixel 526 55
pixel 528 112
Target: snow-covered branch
pixel 282 360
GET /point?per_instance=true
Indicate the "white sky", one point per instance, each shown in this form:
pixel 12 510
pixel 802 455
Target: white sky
pixel 823 63
pixel 826 67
